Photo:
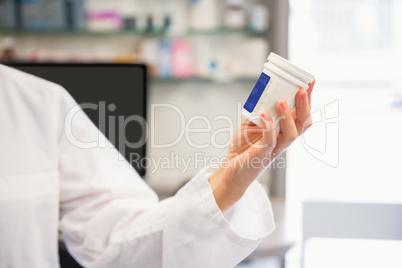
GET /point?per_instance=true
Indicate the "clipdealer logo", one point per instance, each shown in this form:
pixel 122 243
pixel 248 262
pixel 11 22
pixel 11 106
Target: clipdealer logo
pixel 185 128
pixel 325 148
pixel 325 121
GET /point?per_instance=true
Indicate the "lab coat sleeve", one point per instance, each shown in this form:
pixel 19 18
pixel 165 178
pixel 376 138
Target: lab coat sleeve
pixel 110 218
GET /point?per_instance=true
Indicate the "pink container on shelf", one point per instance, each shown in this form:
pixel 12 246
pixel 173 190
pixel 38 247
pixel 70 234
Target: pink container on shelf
pixel 182 59
pixel 104 21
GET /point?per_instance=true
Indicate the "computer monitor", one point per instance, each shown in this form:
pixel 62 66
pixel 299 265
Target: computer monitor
pixel 118 90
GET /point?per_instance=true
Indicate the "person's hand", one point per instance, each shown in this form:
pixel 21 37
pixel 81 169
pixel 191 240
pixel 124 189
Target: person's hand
pixel 253 148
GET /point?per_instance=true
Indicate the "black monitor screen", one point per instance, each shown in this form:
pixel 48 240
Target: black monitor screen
pixel 118 90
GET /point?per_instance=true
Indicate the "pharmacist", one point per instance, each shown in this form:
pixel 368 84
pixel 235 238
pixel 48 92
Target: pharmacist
pixel 108 216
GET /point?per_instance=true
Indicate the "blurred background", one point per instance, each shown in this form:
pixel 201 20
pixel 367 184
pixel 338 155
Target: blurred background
pixel 337 199
pixel 176 38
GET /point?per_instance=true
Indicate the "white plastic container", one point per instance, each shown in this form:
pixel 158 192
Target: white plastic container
pixel 280 79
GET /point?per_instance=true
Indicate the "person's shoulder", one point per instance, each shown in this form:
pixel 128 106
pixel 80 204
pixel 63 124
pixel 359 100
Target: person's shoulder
pixel 16 82
pixel 13 75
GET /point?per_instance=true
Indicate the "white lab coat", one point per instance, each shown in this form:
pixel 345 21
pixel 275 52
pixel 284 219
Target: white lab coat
pixel 108 216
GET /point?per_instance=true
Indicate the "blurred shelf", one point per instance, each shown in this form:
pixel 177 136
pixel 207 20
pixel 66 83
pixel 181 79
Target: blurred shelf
pixel 172 80
pixel 81 33
pixel 224 31
pixel 139 33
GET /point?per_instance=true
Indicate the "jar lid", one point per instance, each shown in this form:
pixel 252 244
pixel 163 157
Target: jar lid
pixel 289 67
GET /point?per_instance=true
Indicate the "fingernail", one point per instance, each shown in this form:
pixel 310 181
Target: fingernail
pixel 284 106
pixel 266 117
pixel 304 96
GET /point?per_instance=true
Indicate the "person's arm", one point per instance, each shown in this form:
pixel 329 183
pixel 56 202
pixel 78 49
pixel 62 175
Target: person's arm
pixel 257 147
pixel 109 217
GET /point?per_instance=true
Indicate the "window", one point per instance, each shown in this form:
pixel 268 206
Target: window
pixel 354 47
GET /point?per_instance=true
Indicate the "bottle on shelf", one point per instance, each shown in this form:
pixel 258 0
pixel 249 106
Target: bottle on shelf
pixel 259 18
pixel 75 14
pixel 7 14
pixel 7 50
pixel 164 64
pixel 150 27
pixel 204 14
pixel 182 59
pixel 235 14
pixel 130 22
pixel 104 20
pixel 42 15
pixel 167 21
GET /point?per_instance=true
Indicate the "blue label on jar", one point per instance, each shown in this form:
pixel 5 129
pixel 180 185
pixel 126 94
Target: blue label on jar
pixel 256 92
